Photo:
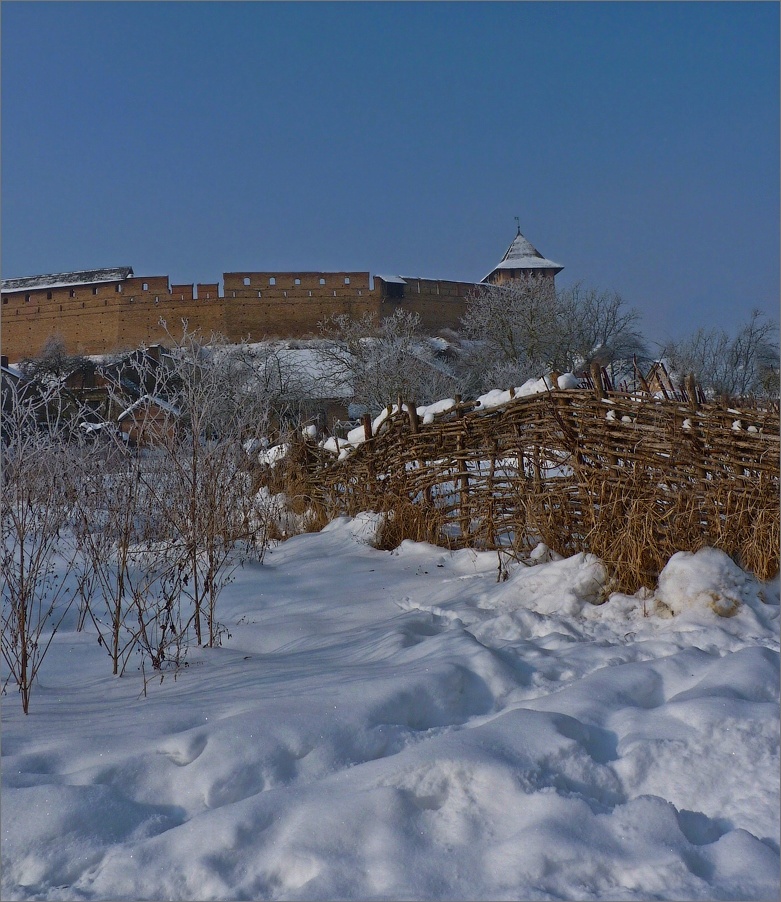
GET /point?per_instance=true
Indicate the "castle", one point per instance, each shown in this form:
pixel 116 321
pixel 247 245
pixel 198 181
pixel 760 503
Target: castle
pixel 104 310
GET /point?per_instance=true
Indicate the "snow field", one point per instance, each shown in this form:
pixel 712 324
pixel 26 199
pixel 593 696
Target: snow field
pixel 401 725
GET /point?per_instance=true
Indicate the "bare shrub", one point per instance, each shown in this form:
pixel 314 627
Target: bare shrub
pixel 36 556
pixel 196 473
pixel 125 550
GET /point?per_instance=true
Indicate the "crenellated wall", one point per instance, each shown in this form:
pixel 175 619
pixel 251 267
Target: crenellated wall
pixel 123 314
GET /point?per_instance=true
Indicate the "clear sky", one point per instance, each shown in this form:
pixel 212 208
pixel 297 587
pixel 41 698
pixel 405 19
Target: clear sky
pixel 637 142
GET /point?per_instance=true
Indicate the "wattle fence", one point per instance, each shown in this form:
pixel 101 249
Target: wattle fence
pixel 628 478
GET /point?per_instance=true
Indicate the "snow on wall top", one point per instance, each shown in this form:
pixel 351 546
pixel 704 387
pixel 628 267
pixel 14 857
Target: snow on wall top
pixel 522 254
pixel 64 279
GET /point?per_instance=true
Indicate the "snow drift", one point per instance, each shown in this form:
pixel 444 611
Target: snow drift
pixel 403 725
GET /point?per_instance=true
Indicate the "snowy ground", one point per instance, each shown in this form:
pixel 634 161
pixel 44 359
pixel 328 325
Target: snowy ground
pixel 402 726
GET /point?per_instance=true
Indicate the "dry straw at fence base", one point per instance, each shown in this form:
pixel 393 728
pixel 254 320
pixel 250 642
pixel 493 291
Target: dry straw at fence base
pixel 630 480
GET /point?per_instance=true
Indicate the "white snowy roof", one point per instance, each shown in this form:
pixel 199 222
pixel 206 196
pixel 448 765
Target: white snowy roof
pixel 522 254
pixel 64 279
pixel 150 399
pixel 397 280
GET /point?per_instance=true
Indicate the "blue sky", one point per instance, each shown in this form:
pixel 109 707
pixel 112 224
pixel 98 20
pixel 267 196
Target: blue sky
pixel 637 142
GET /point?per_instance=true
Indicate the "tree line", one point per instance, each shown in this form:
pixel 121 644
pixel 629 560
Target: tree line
pixel 525 329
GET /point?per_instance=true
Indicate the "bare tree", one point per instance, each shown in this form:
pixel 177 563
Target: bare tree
pixel 525 328
pixel 123 544
pixel 377 361
pixel 601 327
pixel 263 377
pixel 731 366
pixel 196 473
pixel 517 324
pixel 54 362
pixel 36 556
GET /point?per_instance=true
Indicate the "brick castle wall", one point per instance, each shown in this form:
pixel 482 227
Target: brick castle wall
pixel 121 315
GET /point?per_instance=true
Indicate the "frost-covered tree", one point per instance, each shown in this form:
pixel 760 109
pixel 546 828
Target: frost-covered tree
pixel 35 553
pixel 517 323
pixel 731 366
pixel 525 328
pixel 54 362
pixel 197 472
pixel 379 360
pixel 600 326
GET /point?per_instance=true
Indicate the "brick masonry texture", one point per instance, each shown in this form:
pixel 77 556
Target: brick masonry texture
pixel 120 315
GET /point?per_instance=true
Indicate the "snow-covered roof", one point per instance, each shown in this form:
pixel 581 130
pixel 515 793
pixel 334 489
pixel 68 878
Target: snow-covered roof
pixel 435 279
pixel 399 280
pixel 64 279
pixel 12 371
pixel 150 399
pixel 522 254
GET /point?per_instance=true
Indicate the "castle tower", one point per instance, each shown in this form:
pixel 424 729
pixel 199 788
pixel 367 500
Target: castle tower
pixel 522 259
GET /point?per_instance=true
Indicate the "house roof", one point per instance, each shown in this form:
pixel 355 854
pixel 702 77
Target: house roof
pixel 149 399
pixel 522 254
pixel 64 279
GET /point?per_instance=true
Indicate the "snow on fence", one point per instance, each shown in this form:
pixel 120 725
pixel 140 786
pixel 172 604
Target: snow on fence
pixel 629 478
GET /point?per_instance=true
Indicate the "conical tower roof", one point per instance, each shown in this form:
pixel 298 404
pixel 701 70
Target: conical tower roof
pixel 522 254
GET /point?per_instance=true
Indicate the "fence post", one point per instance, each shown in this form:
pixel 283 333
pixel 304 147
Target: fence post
pixel 640 377
pixel 463 492
pixel 414 422
pixel 596 378
pixel 691 390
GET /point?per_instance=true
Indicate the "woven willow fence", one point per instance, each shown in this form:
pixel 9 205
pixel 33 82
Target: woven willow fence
pixel 630 480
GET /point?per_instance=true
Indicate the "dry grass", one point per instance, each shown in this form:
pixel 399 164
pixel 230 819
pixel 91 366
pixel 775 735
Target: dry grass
pixel 652 479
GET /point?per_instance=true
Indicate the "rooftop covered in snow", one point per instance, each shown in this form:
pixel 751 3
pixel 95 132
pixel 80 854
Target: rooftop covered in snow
pixel 65 279
pixel 522 254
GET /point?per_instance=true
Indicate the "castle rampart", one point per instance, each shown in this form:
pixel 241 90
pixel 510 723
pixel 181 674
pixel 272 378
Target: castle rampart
pixel 100 311
pixel 123 313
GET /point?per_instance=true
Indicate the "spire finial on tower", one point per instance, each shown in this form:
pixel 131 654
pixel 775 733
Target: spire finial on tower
pixel 518 223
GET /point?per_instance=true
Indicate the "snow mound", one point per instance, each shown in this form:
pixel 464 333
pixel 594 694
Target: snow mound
pixel 561 586
pixel 497 397
pixel 706 578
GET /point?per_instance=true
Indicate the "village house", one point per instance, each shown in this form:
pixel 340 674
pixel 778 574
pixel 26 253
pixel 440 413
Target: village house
pixel 148 421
